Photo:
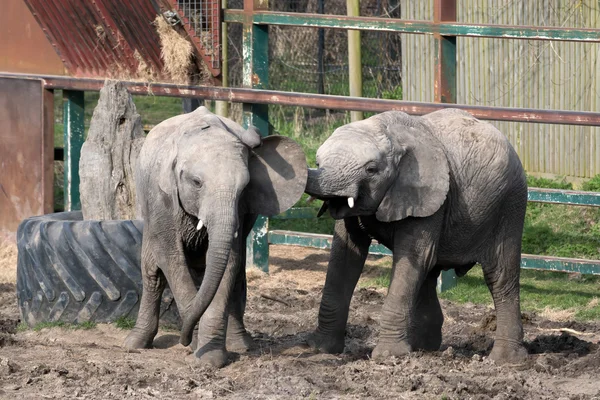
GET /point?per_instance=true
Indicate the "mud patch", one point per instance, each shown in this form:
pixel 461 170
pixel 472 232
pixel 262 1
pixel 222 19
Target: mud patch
pixel 565 343
pixel 281 312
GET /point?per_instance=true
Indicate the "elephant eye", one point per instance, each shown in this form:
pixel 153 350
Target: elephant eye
pixel 197 182
pixel 372 169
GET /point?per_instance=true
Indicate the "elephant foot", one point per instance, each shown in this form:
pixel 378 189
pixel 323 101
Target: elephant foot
pixel 240 343
pixel 504 353
pixel 212 358
pixel 325 343
pixel 427 336
pixel 386 350
pixel 138 340
pixel 428 340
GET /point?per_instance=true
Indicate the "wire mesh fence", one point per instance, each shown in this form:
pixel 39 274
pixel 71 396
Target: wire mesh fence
pixel 316 60
pixel 313 60
pixel 203 17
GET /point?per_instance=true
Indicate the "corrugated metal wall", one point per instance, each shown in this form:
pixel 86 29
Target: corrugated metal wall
pixel 520 73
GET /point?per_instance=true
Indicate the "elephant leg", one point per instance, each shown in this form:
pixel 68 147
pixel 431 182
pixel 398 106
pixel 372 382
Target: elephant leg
pixel 426 329
pixel 153 284
pixel 238 339
pixel 415 244
pixel 162 262
pixel 501 272
pixel 213 326
pixel 348 254
pixel 180 279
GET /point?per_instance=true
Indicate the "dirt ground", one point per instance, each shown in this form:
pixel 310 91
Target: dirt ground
pixel 281 312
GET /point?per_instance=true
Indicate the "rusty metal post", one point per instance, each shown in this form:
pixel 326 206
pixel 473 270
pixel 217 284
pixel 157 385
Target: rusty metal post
pixel 74 128
pixel 445 87
pixel 222 107
pixel 354 58
pixel 255 48
pixel 445 55
pixel 26 151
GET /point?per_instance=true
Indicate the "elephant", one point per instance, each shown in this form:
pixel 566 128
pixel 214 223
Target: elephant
pixel 442 191
pixel 201 181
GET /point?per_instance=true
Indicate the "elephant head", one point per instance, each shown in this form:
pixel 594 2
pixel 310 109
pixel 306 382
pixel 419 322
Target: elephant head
pixel 214 172
pixel 390 165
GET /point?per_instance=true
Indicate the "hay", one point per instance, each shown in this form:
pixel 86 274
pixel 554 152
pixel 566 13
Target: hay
pixel 8 261
pixel 176 52
pixel 253 273
pixel 558 315
pixel 144 71
pixel 100 33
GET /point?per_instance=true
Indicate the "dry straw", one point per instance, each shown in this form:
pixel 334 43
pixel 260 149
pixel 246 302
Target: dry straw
pixel 8 261
pixel 176 52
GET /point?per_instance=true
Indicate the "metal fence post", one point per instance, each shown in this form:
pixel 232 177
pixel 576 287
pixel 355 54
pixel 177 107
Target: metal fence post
pixel 222 107
pixel 320 51
pixel 74 128
pixel 445 87
pixel 255 49
pixel 354 58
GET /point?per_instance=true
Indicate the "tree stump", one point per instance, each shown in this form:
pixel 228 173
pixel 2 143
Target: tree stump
pixel 108 157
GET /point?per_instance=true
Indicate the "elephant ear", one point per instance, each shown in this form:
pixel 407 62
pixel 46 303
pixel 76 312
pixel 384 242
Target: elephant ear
pixel 167 181
pixel 278 173
pixel 422 175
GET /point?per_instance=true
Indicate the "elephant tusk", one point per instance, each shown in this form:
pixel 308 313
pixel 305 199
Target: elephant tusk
pixel 200 225
pixel 351 202
pixel 310 199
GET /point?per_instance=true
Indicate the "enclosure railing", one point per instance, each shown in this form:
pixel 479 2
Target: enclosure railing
pixel 445 30
pixel 255 98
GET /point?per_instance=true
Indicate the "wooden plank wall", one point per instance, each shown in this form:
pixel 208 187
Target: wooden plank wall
pixel 520 73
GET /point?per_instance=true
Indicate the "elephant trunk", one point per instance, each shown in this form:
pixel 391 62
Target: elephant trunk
pixel 323 184
pixel 313 185
pixel 221 230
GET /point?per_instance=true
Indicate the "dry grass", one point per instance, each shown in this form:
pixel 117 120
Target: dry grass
pixel 100 33
pixel 8 261
pixel 176 52
pixel 558 315
pixel 593 303
pixel 253 273
pixel 144 71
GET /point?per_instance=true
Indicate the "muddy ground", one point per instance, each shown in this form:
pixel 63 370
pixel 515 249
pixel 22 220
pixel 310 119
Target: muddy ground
pixel 282 310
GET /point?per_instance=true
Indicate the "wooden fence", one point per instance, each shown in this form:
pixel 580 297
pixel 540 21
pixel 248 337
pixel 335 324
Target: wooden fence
pixel 518 73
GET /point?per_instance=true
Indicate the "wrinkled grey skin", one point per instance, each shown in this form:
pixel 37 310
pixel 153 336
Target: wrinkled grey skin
pixel 199 166
pixel 442 191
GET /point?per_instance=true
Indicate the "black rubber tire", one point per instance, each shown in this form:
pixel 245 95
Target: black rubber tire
pixel 74 271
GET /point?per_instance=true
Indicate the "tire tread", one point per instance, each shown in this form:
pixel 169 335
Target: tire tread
pixel 76 271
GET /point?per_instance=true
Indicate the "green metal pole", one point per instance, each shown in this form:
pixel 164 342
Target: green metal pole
pixel 74 128
pixel 222 107
pixel 255 49
pixel 445 88
pixel 354 58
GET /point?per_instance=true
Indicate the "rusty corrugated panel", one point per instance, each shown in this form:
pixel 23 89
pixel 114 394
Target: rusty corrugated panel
pixel 104 38
pixel 26 151
pixel 23 45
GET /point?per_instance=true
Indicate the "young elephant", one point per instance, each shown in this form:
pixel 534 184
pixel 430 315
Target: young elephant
pixel 201 180
pixel 442 191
